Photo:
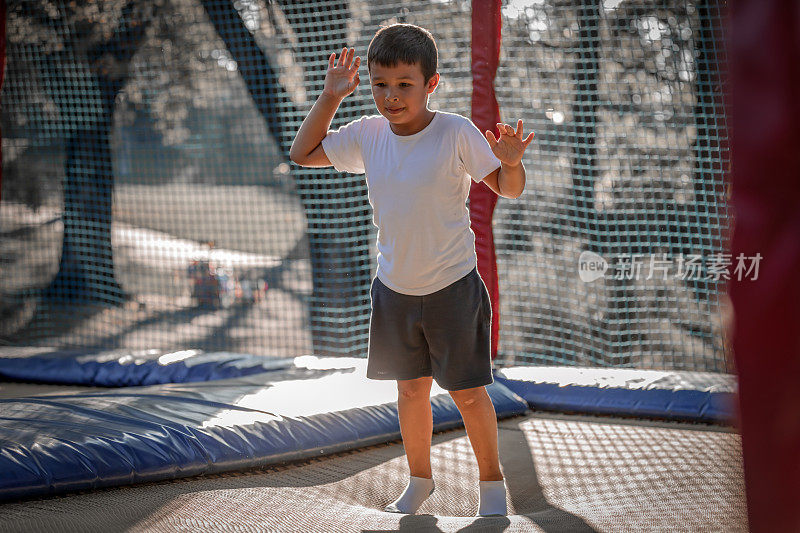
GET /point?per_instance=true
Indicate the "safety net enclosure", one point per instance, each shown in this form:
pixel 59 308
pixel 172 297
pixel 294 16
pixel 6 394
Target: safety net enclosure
pixel 148 201
pixel 156 243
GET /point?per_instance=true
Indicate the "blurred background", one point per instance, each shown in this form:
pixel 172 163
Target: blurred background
pixel 148 201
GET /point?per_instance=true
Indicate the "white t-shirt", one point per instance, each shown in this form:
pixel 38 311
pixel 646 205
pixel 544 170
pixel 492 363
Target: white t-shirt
pixel 418 186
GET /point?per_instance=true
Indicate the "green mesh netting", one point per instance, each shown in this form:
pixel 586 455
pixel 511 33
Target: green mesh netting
pixel 148 201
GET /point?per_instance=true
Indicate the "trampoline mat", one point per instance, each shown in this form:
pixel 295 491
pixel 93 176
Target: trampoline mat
pixel 564 473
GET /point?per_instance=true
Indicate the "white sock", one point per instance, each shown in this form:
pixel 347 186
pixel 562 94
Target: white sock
pixel 417 491
pixel 493 498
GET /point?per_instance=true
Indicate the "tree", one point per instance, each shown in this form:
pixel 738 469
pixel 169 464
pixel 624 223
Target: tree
pixel 339 250
pixel 90 64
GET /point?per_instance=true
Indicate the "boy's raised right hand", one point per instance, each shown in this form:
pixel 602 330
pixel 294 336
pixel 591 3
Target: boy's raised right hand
pixel 341 78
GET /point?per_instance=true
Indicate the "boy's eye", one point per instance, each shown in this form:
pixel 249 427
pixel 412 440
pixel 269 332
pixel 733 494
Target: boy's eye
pixel 382 84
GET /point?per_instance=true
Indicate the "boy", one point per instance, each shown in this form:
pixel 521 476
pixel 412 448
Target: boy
pixel 431 313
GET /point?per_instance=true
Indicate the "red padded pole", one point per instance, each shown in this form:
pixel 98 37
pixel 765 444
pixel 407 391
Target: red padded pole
pixel 2 75
pixel 485 115
pixel 764 52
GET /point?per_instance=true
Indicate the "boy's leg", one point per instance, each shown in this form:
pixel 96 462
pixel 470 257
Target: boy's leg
pixel 416 427
pixel 480 421
pixel 457 324
pixel 416 423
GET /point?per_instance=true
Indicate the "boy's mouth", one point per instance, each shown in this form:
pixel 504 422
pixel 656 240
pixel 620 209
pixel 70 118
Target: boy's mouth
pixel 394 110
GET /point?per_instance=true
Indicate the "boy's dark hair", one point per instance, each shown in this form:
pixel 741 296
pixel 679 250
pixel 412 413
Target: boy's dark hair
pixel 404 43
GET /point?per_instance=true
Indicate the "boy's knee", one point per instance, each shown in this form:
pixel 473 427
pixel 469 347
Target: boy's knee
pixel 468 397
pixel 414 389
pixel 410 394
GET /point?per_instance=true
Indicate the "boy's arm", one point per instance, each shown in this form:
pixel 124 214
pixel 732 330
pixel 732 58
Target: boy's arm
pixel 306 148
pixel 341 79
pixel 511 177
pixel 508 180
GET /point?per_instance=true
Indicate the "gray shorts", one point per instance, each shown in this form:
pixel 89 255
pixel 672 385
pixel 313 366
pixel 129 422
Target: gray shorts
pixel 446 334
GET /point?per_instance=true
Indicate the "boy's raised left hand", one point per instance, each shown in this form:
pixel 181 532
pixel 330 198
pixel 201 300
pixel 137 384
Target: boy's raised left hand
pixel 510 146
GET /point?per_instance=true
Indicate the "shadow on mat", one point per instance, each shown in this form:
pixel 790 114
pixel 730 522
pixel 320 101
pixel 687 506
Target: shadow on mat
pixel 526 494
pixel 354 484
pixel 426 522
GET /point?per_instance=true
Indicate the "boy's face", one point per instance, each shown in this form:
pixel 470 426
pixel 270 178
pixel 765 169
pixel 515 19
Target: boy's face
pixel 401 92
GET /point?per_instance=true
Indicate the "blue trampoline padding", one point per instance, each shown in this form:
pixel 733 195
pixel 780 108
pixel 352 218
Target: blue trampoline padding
pixel 121 368
pixel 57 443
pixel 690 396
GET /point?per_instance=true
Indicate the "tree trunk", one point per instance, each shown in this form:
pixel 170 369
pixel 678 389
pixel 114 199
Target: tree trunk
pixel 339 248
pixel 86 269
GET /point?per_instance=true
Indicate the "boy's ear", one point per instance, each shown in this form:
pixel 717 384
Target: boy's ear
pixel 433 83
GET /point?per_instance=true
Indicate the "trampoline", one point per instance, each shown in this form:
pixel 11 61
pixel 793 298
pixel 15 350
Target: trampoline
pixel 184 314
pixel 271 453
pixel 564 473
